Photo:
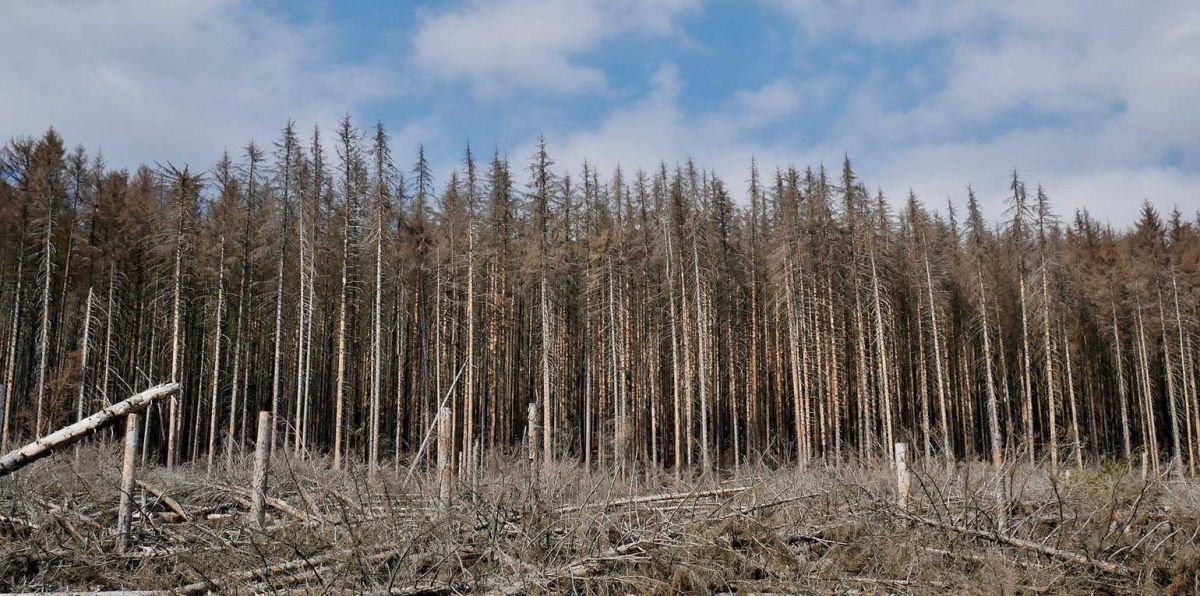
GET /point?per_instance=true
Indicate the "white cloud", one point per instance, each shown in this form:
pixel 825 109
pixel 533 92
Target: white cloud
pixel 500 46
pixel 775 100
pixel 656 129
pixel 1094 99
pixel 174 81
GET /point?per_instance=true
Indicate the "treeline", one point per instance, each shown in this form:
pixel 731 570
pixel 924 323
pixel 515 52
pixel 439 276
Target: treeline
pixel 612 317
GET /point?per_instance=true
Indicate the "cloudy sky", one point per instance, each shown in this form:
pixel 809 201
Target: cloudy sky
pixel 1099 100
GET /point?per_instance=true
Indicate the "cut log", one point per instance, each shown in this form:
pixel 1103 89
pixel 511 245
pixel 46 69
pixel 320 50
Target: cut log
pixel 1101 565
pixel 722 492
pixel 165 499
pixel 63 437
pixel 17 525
pixel 246 497
pixel 264 573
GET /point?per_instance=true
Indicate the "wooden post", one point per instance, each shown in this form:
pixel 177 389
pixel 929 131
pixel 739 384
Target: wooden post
pixel 262 450
pixel 125 510
pixel 443 454
pixel 902 481
pixel 534 431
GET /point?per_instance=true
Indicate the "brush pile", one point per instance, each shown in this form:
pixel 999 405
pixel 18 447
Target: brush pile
pixel 966 528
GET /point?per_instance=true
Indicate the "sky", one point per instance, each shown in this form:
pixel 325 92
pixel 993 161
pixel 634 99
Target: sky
pixel 1097 100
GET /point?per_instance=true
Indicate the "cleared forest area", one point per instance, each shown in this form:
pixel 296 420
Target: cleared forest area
pixel 513 529
pixel 521 380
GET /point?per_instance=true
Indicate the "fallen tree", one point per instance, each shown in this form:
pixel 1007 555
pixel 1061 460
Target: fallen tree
pixel 70 434
pixel 1101 565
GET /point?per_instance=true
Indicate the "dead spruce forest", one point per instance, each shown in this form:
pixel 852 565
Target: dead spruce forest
pixel 639 380
pixel 646 316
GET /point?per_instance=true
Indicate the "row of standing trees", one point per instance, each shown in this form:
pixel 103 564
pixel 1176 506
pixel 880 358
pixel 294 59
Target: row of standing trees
pixel 646 316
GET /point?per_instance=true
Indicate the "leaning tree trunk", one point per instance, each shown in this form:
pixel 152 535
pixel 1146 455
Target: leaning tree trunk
pixel 70 434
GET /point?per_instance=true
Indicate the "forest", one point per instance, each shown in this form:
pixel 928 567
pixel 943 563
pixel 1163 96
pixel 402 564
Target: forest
pixel 615 319
pixel 656 382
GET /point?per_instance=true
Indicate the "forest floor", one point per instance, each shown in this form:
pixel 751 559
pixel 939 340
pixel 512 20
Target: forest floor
pixel 965 529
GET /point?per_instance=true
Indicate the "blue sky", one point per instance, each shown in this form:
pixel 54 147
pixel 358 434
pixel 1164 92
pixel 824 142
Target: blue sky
pixel 1096 99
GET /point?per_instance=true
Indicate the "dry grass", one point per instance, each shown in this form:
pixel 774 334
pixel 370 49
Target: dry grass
pixel 822 530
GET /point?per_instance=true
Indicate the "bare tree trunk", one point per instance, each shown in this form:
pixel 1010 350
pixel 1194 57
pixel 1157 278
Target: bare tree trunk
pixel 1186 379
pixel 125 506
pixel 150 360
pixel 993 414
pixel 1052 404
pixel 862 392
pixel 469 389
pixel 173 412
pixel 44 337
pixel 799 376
pixel 547 424
pixel 1075 444
pixel 1026 372
pixel 340 382
pixel 835 394
pixel 84 344
pixel 111 308
pixel 376 345
pixel 1176 449
pixel 10 365
pixel 881 349
pixel 262 461
pixel 619 437
pixel 1150 433
pixel 276 359
pixel 235 379
pixel 533 437
pixel 1190 374
pixel 444 472
pixel 216 366
pixel 701 364
pixel 675 382
pixel 1123 402
pixel 947 444
pixel 923 389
